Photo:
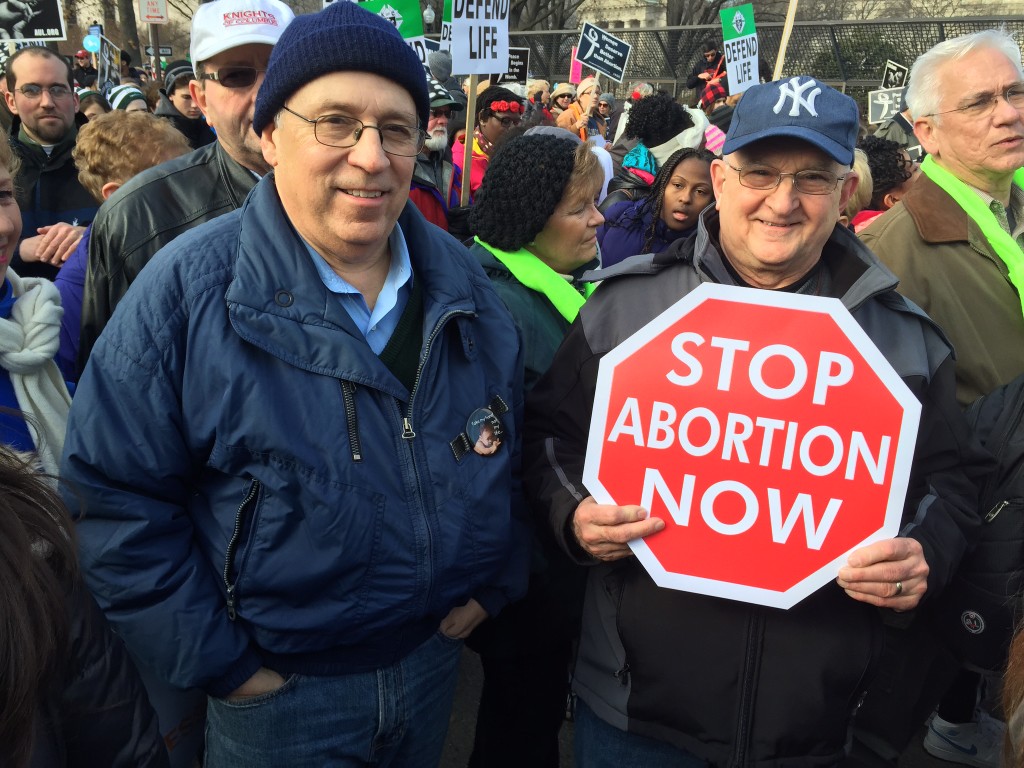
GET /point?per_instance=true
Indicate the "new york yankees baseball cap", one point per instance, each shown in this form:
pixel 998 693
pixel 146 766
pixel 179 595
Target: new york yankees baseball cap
pixel 799 107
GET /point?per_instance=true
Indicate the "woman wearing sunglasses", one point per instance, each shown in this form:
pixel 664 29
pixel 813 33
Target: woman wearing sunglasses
pixel 498 110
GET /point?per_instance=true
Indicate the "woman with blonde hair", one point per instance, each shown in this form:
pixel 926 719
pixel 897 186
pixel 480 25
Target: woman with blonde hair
pixel 581 116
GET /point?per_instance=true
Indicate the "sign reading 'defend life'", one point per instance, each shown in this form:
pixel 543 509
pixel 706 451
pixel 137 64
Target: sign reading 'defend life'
pixel 739 417
pixel 739 38
pixel 602 52
pixel 479 36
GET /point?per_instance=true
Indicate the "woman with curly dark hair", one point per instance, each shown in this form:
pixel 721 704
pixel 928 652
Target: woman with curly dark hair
pixel 69 695
pixel 681 190
pixel 660 124
pixel 892 172
pixel 498 110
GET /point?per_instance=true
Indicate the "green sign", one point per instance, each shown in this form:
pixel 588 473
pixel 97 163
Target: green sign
pixel 404 14
pixel 740 47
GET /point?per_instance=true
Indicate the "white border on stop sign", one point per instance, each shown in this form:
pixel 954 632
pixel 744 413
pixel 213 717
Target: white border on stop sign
pixel 902 462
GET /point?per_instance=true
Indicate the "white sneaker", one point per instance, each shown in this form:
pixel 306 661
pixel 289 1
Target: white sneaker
pixel 979 744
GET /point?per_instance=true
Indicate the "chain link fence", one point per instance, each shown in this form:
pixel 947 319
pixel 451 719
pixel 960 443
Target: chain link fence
pixel 847 55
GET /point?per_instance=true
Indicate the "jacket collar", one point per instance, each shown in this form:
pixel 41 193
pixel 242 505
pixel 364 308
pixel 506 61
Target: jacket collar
pixel 857 274
pixel 27 149
pixel 277 301
pixel 935 214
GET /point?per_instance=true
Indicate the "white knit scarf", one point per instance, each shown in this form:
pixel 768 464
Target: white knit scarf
pixel 29 340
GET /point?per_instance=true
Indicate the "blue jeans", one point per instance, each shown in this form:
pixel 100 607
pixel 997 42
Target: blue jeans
pixel 600 745
pixel 393 716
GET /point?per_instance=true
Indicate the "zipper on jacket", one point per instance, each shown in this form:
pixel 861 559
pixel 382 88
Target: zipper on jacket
pixel 751 670
pixel 996 510
pixel 408 433
pixel 348 395
pixel 229 553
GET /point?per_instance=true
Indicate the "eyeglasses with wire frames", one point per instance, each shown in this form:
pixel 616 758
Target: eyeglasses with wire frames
pixel 343 132
pixel 233 77
pixel 983 104
pixel 441 112
pixel 810 182
pixel 33 91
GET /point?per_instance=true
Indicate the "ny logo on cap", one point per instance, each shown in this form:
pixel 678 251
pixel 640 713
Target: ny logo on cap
pixel 794 91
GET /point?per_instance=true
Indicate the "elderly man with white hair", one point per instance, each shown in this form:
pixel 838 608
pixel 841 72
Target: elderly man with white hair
pixel 955 242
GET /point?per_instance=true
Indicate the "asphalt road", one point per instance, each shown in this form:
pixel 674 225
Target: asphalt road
pixel 463 719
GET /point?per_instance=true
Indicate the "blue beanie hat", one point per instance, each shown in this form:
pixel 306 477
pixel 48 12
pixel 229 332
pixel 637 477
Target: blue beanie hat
pixel 342 37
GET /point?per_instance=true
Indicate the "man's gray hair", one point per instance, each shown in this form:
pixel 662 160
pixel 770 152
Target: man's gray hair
pixel 924 93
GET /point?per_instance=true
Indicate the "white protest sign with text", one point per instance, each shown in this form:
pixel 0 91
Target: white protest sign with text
pixel 479 33
pixel 739 41
pixel 767 431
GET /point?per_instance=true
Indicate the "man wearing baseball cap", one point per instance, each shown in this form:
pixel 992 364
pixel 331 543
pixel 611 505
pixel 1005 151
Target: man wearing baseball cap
pixel 83 71
pixel 231 44
pixel 302 525
pixel 670 678
pixel 436 181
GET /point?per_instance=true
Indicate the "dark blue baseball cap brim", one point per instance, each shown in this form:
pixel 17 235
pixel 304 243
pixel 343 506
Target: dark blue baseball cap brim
pixel 841 154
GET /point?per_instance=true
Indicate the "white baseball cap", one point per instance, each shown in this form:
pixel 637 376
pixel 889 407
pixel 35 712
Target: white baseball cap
pixel 225 24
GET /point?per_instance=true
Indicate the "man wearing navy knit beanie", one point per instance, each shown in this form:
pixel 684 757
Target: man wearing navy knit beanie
pixel 305 527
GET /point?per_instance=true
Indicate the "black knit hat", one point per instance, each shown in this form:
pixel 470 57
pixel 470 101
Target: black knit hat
pixel 177 71
pixel 341 38
pixel 524 183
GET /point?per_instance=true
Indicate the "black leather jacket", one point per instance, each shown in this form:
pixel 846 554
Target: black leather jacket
pixel 146 214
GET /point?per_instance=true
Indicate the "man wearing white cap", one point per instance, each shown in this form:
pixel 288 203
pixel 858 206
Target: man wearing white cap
pixel 231 44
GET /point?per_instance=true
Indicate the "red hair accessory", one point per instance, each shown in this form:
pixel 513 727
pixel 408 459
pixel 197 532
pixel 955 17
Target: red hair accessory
pixel 506 106
pixel 636 96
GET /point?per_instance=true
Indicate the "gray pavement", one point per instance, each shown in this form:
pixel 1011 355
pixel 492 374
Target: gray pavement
pixel 463 720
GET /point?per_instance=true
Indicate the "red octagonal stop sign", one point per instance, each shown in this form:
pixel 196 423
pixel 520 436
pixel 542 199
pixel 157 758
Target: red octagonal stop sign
pixel 766 429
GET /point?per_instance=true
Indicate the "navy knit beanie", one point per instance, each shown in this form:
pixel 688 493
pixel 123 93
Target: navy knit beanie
pixel 341 38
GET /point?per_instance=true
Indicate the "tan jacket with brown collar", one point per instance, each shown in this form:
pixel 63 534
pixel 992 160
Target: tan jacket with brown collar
pixel 946 266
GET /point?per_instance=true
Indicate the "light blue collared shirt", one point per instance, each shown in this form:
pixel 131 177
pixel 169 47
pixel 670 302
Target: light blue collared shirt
pixel 376 326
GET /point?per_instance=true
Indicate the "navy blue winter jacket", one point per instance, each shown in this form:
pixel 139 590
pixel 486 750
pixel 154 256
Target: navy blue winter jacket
pixel 260 489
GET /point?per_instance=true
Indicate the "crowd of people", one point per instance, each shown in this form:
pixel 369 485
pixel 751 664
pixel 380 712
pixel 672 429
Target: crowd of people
pixel 284 424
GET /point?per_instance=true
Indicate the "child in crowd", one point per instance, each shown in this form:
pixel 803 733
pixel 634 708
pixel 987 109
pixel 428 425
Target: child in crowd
pixel 681 190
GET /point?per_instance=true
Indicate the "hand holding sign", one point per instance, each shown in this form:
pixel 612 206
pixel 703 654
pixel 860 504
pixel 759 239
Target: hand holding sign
pixel 873 573
pixel 605 530
pixel 737 417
